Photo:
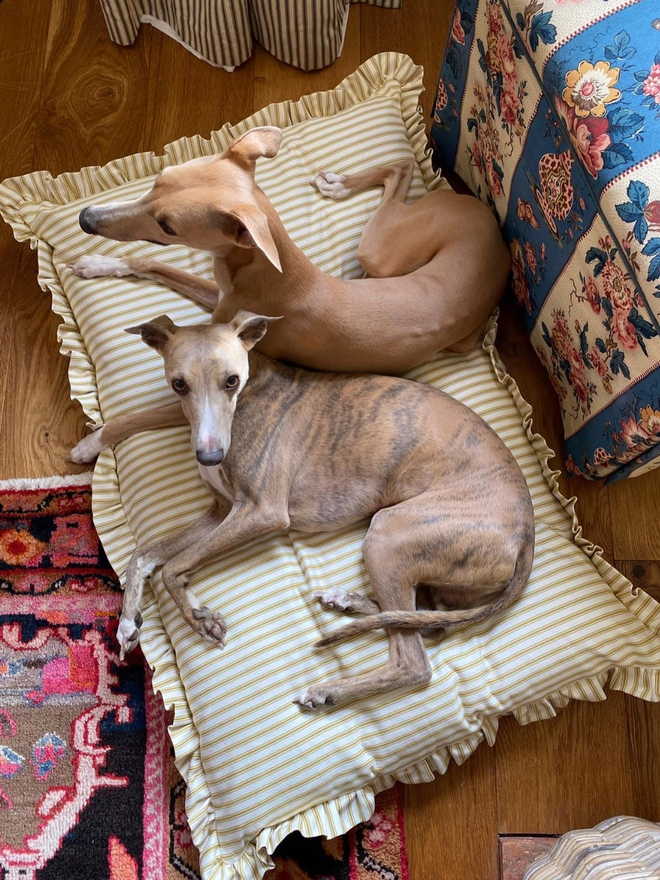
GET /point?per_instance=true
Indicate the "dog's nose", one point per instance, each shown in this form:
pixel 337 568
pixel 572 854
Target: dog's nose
pixel 85 223
pixel 208 459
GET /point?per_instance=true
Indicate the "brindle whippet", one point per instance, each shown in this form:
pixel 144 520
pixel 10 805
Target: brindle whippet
pixel 436 267
pixel 314 452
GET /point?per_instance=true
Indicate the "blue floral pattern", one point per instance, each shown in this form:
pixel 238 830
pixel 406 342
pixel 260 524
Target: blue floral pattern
pixel 550 111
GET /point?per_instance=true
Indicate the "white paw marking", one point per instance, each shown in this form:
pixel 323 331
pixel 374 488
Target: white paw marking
pixel 94 266
pixel 331 185
pixel 88 448
pixel 313 699
pixel 128 636
pixel 335 598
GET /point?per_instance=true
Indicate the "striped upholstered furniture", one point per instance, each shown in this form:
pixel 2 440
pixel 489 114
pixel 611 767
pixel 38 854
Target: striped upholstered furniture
pixel 550 111
pixel 306 33
pixel 257 767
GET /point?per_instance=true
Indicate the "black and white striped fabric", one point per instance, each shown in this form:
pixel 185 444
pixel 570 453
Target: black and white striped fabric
pixel 306 33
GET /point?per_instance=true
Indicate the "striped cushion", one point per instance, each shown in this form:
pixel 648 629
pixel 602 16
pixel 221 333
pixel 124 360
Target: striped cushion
pixel 256 767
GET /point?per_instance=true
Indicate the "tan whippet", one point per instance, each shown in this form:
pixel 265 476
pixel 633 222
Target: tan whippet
pixel 314 452
pixel 436 267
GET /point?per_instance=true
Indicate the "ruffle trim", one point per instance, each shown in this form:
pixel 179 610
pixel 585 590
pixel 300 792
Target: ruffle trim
pixel 339 814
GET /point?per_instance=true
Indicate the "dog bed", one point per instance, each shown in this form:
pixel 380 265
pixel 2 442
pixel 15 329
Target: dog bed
pixel 257 767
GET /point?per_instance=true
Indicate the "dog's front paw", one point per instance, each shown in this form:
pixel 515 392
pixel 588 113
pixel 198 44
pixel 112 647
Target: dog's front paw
pixel 94 266
pixel 128 635
pixel 316 697
pixel 88 449
pixel 331 185
pixel 210 625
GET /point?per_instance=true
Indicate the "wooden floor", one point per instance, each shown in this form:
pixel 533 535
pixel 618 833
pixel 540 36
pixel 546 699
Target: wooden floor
pixel 69 97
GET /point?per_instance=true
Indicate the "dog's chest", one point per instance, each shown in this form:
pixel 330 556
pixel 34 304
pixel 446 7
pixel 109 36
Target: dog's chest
pixel 216 480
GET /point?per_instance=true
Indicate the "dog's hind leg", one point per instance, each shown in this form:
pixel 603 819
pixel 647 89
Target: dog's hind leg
pixel 395 178
pixel 393 581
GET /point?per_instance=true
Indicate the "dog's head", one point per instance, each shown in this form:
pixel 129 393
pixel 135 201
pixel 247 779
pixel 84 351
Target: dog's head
pixel 210 204
pixel 207 367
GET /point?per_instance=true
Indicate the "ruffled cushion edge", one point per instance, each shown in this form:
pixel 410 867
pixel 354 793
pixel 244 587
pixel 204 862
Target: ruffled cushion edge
pixel 339 814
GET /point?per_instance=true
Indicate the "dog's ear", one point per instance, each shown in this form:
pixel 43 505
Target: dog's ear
pixel 156 333
pixel 250 328
pixel 247 227
pixel 254 144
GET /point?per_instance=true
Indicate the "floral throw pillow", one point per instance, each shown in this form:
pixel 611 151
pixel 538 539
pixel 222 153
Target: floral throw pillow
pixel 550 111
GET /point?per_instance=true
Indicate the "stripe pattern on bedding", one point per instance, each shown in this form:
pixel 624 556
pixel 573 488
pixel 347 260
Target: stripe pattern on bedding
pixel 256 767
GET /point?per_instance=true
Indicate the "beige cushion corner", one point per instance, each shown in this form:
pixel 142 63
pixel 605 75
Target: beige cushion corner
pixel 256 767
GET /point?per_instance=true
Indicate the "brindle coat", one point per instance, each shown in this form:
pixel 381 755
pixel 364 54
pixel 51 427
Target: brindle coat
pixel 314 452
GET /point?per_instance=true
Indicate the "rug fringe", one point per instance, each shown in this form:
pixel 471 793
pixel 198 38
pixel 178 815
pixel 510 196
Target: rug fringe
pixel 47 482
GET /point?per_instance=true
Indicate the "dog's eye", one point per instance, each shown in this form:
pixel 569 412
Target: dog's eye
pixel 167 229
pixel 232 382
pixel 179 386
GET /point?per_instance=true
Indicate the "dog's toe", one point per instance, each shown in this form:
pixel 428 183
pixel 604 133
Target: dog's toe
pixel 336 599
pixel 128 636
pixel 87 449
pixel 331 185
pixel 210 625
pixel 95 266
pixel 314 698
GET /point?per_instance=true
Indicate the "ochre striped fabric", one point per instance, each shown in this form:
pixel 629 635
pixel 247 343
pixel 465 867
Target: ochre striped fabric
pixel 306 33
pixel 256 767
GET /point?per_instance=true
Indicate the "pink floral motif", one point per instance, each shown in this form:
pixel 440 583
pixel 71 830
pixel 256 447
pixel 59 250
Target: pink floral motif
pixel 624 330
pixel 510 102
pixel 652 215
pixel 588 135
pixel 651 85
pixel 520 285
pixel 597 360
pixel 530 255
pixel 593 294
pixel 615 286
pixel 526 213
pixel 495 22
pixel 633 432
pixel 457 31
pixel 507 57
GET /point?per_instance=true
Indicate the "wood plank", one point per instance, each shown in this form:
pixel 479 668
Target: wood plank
pixel 637 524
pixel 418 29
pixel 276 81
pixel 187 96
pixel 451 823
pixel 644 573
pixel 94 101
pixel 568 772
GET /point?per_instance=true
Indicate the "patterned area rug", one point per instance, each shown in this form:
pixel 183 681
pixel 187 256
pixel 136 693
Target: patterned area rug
pixel 88 786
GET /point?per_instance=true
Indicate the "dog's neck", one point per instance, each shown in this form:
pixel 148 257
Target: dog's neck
pixel 238 269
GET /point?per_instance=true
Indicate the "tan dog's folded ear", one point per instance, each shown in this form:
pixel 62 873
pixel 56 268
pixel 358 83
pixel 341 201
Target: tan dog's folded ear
pixel 156 333
pixel 250 328
pixel 254 144
pixel 248 227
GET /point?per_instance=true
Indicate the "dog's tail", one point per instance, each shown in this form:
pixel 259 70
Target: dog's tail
pixel 434 620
